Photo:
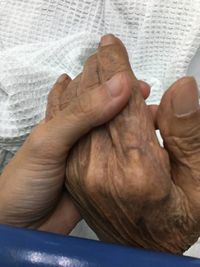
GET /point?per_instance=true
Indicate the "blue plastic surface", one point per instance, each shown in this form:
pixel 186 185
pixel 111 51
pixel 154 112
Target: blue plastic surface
pixel 27 248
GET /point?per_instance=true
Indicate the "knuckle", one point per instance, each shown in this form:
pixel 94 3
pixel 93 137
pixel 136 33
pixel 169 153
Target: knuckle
pixel 51 92
pixel 91 61
pixel 53 95
pixel 114 54
pixel 90 75
pixel 84 104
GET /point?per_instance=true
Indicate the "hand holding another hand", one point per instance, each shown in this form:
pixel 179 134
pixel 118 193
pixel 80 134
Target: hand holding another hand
pixel 129 189
pixel 32 192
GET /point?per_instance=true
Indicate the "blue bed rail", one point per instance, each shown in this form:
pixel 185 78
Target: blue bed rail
pixel 28 248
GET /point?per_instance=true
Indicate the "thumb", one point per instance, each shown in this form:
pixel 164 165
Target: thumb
pixel 90 109
pixel 178 119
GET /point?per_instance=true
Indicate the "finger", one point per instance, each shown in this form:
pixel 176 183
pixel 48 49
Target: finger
pixel 179 122
pixel 100 67
pixel 71 92
pixel 112 57
pixel 85 112
pixel 90 75
pixel 54 97
pixel 153 111
pixel 144 89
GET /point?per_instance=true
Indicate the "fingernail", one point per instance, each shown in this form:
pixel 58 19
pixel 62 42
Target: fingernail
pixel 107 40
pixel 62 78
pixel 115 85
pixel 185 98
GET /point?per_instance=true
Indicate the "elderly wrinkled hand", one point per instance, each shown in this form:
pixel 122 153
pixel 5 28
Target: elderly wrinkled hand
pixel 32 192
pixel 128 188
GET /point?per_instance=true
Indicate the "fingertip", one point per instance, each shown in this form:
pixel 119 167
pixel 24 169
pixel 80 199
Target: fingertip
pixel 185 96
pixel 107 39
pixel 63 78
pixel 144 88
pixel 55 95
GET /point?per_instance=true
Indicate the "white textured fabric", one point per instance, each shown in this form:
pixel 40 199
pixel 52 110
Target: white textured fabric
pixel 40 39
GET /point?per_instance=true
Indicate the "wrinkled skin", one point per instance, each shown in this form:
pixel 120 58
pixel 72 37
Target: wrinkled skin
pixel 127 187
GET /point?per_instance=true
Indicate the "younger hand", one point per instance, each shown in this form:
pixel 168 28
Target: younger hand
pixel 31 186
